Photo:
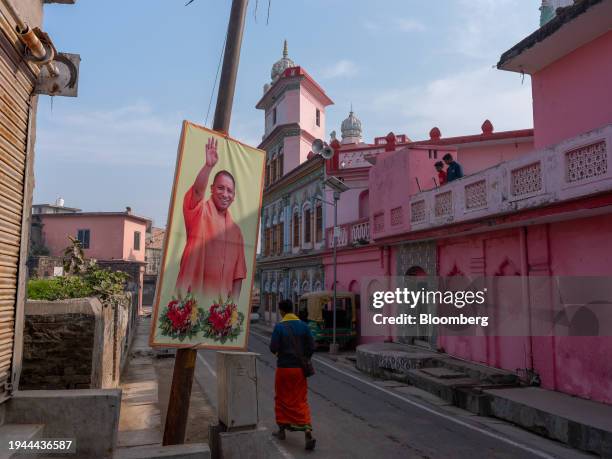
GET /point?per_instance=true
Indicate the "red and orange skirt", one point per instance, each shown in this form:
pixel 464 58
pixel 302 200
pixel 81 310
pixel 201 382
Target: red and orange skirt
pixel 291 399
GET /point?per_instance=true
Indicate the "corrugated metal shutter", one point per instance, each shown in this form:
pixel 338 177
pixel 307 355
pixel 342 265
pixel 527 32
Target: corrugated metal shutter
pixel 16 85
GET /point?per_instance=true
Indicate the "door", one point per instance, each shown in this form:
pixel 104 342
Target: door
pixel 17 81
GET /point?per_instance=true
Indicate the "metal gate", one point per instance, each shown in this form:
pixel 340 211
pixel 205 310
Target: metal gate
pixel 17 81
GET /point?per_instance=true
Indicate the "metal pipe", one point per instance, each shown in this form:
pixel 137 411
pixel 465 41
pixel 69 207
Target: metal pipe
pixel 21 26
pixel 29 38
pixel 336 197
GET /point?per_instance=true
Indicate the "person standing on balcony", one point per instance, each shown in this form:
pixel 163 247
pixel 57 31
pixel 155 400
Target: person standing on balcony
pixel 454 170
pixel 441 173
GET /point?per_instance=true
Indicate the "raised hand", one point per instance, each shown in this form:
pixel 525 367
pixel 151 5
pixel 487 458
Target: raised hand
pixel 211 152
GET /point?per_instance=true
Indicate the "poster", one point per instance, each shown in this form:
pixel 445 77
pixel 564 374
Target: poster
pixel 203 292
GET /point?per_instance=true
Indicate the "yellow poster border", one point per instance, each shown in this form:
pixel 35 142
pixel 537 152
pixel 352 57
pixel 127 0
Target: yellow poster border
pixel 179 160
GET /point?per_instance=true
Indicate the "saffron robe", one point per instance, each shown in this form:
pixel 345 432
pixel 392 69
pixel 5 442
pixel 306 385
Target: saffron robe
pixel 213 257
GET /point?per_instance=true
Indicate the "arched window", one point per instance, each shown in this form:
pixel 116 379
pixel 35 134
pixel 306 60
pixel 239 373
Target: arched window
pixel 307 224
pixel 267 178
pixel 296 229
pixel 319 222
pixel 273 170
pixel 364 204
pixel 416 271
pixel 279 164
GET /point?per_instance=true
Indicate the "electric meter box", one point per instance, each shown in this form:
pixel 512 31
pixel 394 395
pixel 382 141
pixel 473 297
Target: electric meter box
pixel 237 389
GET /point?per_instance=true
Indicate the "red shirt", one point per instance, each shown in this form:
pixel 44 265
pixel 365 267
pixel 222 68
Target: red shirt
pixel 442 177
pixel 213 257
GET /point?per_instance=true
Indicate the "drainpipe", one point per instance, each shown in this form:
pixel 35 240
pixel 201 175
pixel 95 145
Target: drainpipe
pixel 42 56
pixel 525 288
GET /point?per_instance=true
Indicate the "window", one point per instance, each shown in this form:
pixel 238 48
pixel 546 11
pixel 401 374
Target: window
pixel 268 242
pixel 136 240
pixel 319 223
pixel 307 226
pixel 273 171
pixel 318 117
pixel 364 204
pixel 273 116
pixel 279 168
pixel 83 237
pixel 267 179
pixel 296 230
pixel 278 236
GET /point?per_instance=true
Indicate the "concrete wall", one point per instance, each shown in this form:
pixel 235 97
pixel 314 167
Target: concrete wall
pixel 572 95
pixel 31 11
pixel 73 344
pixel 90 417
pixel 44 266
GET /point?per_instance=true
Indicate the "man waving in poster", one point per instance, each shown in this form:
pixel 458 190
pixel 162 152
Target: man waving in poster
pixel 213 261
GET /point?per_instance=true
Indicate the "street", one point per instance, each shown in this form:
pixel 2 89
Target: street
pixel 355 416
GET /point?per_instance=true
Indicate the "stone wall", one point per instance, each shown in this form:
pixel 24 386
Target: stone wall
pixel 43 266
pixel 74 344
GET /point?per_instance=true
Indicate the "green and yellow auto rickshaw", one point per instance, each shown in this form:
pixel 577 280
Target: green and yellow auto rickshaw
pixel 317 308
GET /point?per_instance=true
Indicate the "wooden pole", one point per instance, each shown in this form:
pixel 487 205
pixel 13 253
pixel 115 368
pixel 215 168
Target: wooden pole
pixel 184 364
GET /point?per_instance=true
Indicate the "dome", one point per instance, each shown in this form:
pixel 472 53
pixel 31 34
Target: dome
pixel 281 65
pixel 351 129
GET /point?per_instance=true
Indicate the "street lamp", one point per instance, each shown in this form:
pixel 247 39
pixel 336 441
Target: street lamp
pixel 338 187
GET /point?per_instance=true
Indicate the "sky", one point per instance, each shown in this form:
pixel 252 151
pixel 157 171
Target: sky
pixel 404 65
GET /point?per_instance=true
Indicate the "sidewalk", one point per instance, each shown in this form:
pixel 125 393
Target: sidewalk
pixel 145 385
pixel 488 391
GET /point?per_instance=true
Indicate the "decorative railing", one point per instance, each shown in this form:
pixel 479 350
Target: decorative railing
pixel 350 234
pixel 572 169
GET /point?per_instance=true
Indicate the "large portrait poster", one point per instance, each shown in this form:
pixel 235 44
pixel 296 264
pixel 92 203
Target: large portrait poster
pixel 204 288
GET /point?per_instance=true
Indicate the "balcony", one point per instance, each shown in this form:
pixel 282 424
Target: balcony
pixel 574 168
pixel 351 234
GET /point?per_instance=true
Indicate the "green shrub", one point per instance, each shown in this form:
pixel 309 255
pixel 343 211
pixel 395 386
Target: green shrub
pixel 85 278
pixel 59 288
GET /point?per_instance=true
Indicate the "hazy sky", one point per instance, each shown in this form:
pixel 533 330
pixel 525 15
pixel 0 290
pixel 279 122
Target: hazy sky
pixel 406 66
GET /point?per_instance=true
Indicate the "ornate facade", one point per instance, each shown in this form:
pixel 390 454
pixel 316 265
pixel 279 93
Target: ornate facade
pixel 293 218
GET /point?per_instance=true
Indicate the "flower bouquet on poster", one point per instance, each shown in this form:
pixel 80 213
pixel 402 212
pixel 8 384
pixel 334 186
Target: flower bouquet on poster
pixel 222 322
pixel 181 318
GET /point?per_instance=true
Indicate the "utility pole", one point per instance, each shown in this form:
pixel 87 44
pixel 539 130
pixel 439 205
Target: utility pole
pixel 184 364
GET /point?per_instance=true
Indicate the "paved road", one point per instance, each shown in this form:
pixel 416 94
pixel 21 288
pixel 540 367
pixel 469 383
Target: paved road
pixel 358 417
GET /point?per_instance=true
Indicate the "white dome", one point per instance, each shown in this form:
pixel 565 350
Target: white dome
pixel 281 65
pixel 351 129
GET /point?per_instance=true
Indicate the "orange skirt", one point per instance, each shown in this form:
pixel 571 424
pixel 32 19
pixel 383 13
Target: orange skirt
pixel 291 399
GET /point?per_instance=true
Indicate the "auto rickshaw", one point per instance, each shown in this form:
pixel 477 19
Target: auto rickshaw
pixel 320 314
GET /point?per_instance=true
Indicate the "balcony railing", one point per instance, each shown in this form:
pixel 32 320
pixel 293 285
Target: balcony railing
pixel 574 168
pixel 350 234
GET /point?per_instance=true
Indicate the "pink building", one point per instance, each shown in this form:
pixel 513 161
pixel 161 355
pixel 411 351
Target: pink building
pixel 532 202
pixel 112 238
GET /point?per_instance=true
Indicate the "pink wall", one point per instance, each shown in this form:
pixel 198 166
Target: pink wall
pixel 287 110
pixel 477 158
pixel 355 267
pixel 576 365
pixel 108 237
pixel 572 95
pixel 129 252
pixel 308 107
pixel 291 155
